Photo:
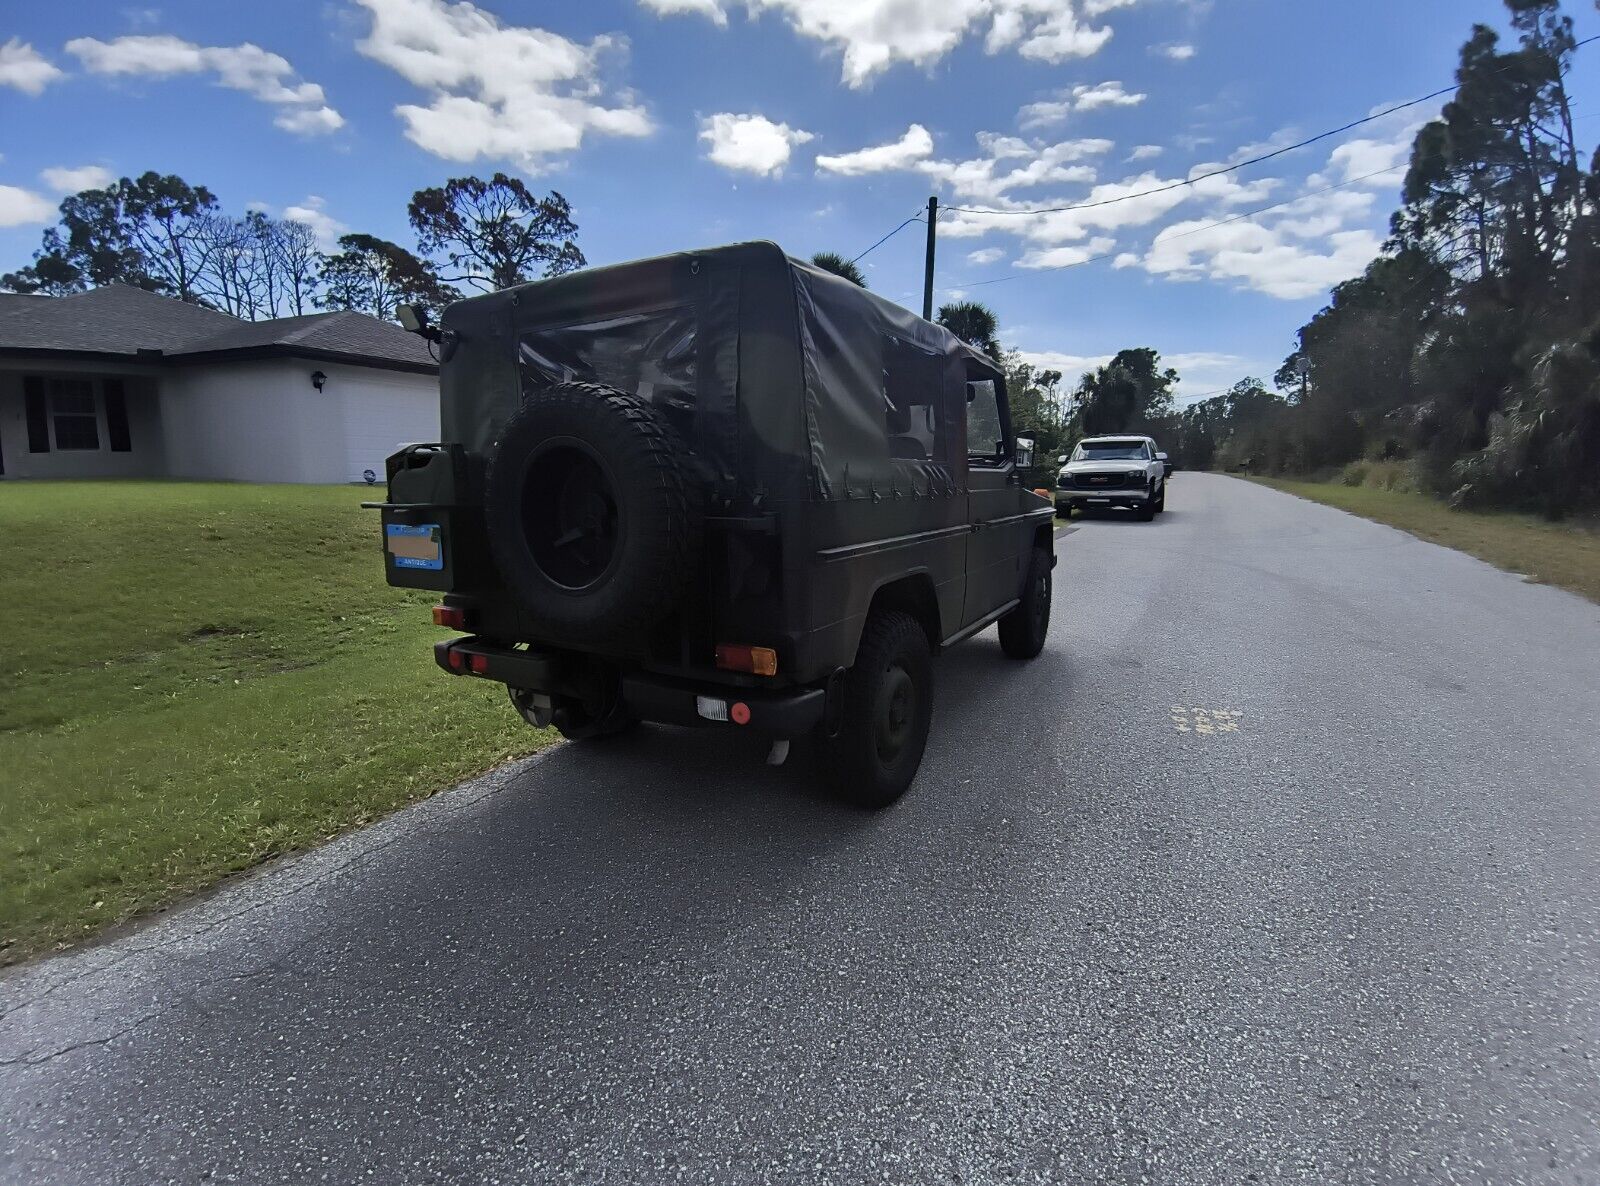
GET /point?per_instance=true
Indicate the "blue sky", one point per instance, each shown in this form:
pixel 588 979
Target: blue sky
pixel 821 124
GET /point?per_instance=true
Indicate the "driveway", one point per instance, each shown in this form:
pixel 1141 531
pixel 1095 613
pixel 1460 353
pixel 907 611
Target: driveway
pixel 1279 865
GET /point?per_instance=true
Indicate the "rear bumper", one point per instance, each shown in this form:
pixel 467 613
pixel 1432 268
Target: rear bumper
pixel 790 713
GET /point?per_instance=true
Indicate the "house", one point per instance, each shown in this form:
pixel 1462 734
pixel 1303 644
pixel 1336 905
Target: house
pixel 118 382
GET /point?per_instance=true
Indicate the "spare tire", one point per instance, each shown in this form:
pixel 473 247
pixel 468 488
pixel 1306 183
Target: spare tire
pixel 593 513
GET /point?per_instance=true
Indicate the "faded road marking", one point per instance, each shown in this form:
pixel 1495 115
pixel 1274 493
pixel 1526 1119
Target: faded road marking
pixel 1207 722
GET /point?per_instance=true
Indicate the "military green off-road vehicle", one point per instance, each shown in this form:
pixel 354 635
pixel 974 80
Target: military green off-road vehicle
pixel 721 488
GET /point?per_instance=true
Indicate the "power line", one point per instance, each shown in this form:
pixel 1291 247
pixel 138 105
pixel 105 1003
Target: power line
pixel 1255 160
pixel 1183 234
pixel 917 217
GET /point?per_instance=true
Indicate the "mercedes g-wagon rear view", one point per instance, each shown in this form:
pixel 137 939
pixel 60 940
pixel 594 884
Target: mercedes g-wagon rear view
pixel 720 488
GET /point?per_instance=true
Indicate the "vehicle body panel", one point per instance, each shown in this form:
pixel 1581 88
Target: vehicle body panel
pixel 828 425
pixel 1111 481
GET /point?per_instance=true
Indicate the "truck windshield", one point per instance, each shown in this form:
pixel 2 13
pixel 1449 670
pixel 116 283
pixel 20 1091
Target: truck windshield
pixel 1109 451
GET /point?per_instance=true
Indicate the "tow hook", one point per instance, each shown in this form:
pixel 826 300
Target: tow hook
pixel 779 752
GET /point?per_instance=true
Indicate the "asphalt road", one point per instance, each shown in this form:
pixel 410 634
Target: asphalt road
pixel 1278 866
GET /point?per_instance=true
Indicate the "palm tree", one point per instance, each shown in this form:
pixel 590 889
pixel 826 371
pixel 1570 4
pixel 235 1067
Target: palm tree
pixel 832 261
pixel 974 323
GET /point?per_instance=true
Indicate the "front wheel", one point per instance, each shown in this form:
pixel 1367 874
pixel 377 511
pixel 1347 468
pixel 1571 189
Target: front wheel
pixel 1023 630
pixel 1161 499
pixel 888 706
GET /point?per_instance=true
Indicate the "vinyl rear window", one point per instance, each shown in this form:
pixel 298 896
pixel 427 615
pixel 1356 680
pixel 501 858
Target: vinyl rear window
pixel 648 354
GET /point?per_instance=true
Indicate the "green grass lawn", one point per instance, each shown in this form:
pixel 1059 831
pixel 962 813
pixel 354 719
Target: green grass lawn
pixel 1554 553
pixel 197 677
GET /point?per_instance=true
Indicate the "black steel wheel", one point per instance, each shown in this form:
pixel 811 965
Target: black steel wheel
pixel 1023 630
pixel 888 707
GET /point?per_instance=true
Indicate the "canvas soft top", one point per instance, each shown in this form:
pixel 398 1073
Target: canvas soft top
pixel 775 369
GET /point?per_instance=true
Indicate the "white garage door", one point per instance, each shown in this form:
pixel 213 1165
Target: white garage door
pixel 380 415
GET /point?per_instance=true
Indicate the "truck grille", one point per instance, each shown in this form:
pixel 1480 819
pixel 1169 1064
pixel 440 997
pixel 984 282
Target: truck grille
pixel 1104 481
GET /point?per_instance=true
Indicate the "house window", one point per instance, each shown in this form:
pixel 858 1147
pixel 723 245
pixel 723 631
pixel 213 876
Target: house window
pixel 64 413
pixel 74 414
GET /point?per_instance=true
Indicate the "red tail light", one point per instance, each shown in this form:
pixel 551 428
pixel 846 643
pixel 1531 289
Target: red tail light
pixel 480 663
pixel 456 660
pixel 450 616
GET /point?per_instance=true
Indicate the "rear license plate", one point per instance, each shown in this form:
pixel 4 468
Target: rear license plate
pixel 415 545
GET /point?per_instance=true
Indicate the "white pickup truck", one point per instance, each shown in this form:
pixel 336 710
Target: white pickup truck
pixel 1120 471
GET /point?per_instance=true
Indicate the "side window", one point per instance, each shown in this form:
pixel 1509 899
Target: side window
pixel 912 385
pixel 986 436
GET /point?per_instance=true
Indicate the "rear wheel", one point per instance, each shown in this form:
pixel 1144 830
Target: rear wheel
pixel 888 706
pixel 1023 630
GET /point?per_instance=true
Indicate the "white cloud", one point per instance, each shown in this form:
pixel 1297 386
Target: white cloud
pixel 314 214
pixel 1066 257
pixel 511 92
pixel 1178 52
pixel 64 180
pixel 1145 152
pixel 1043 114
pixel 1079 98
pixel 915 146
pixel 1260 257
pixel 872 35
pixel 1357 158
pixel 23 207
pixel 259 73
pixel 985 255
pixel 1070 365
pixel 750 143
pixel 25 68
pixel 988 177
pixel 713 10
pixel 1104 94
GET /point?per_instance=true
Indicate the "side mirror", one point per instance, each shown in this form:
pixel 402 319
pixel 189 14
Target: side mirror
pixel 414 320
pixel 1024 452
pixel 1062 460
pixel 1161 456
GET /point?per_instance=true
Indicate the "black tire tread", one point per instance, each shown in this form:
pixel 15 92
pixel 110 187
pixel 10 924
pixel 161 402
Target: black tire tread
pixel 1017 637
pixel 859 780
pixel 670 552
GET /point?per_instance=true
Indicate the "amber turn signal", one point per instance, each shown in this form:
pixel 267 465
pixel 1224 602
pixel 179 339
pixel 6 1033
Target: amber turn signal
pixel 755 660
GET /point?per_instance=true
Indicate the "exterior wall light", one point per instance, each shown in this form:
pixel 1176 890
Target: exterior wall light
pixel 318 379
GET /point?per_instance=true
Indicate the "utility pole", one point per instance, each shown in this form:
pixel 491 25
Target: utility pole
pixel 927 270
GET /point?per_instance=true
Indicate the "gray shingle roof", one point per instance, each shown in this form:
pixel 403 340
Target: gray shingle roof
pixel 343 332
pixel 12 301
pixel 119 320
pixel 111 320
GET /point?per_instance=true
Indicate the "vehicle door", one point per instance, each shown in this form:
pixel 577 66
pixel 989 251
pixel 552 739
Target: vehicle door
pixel 995 546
